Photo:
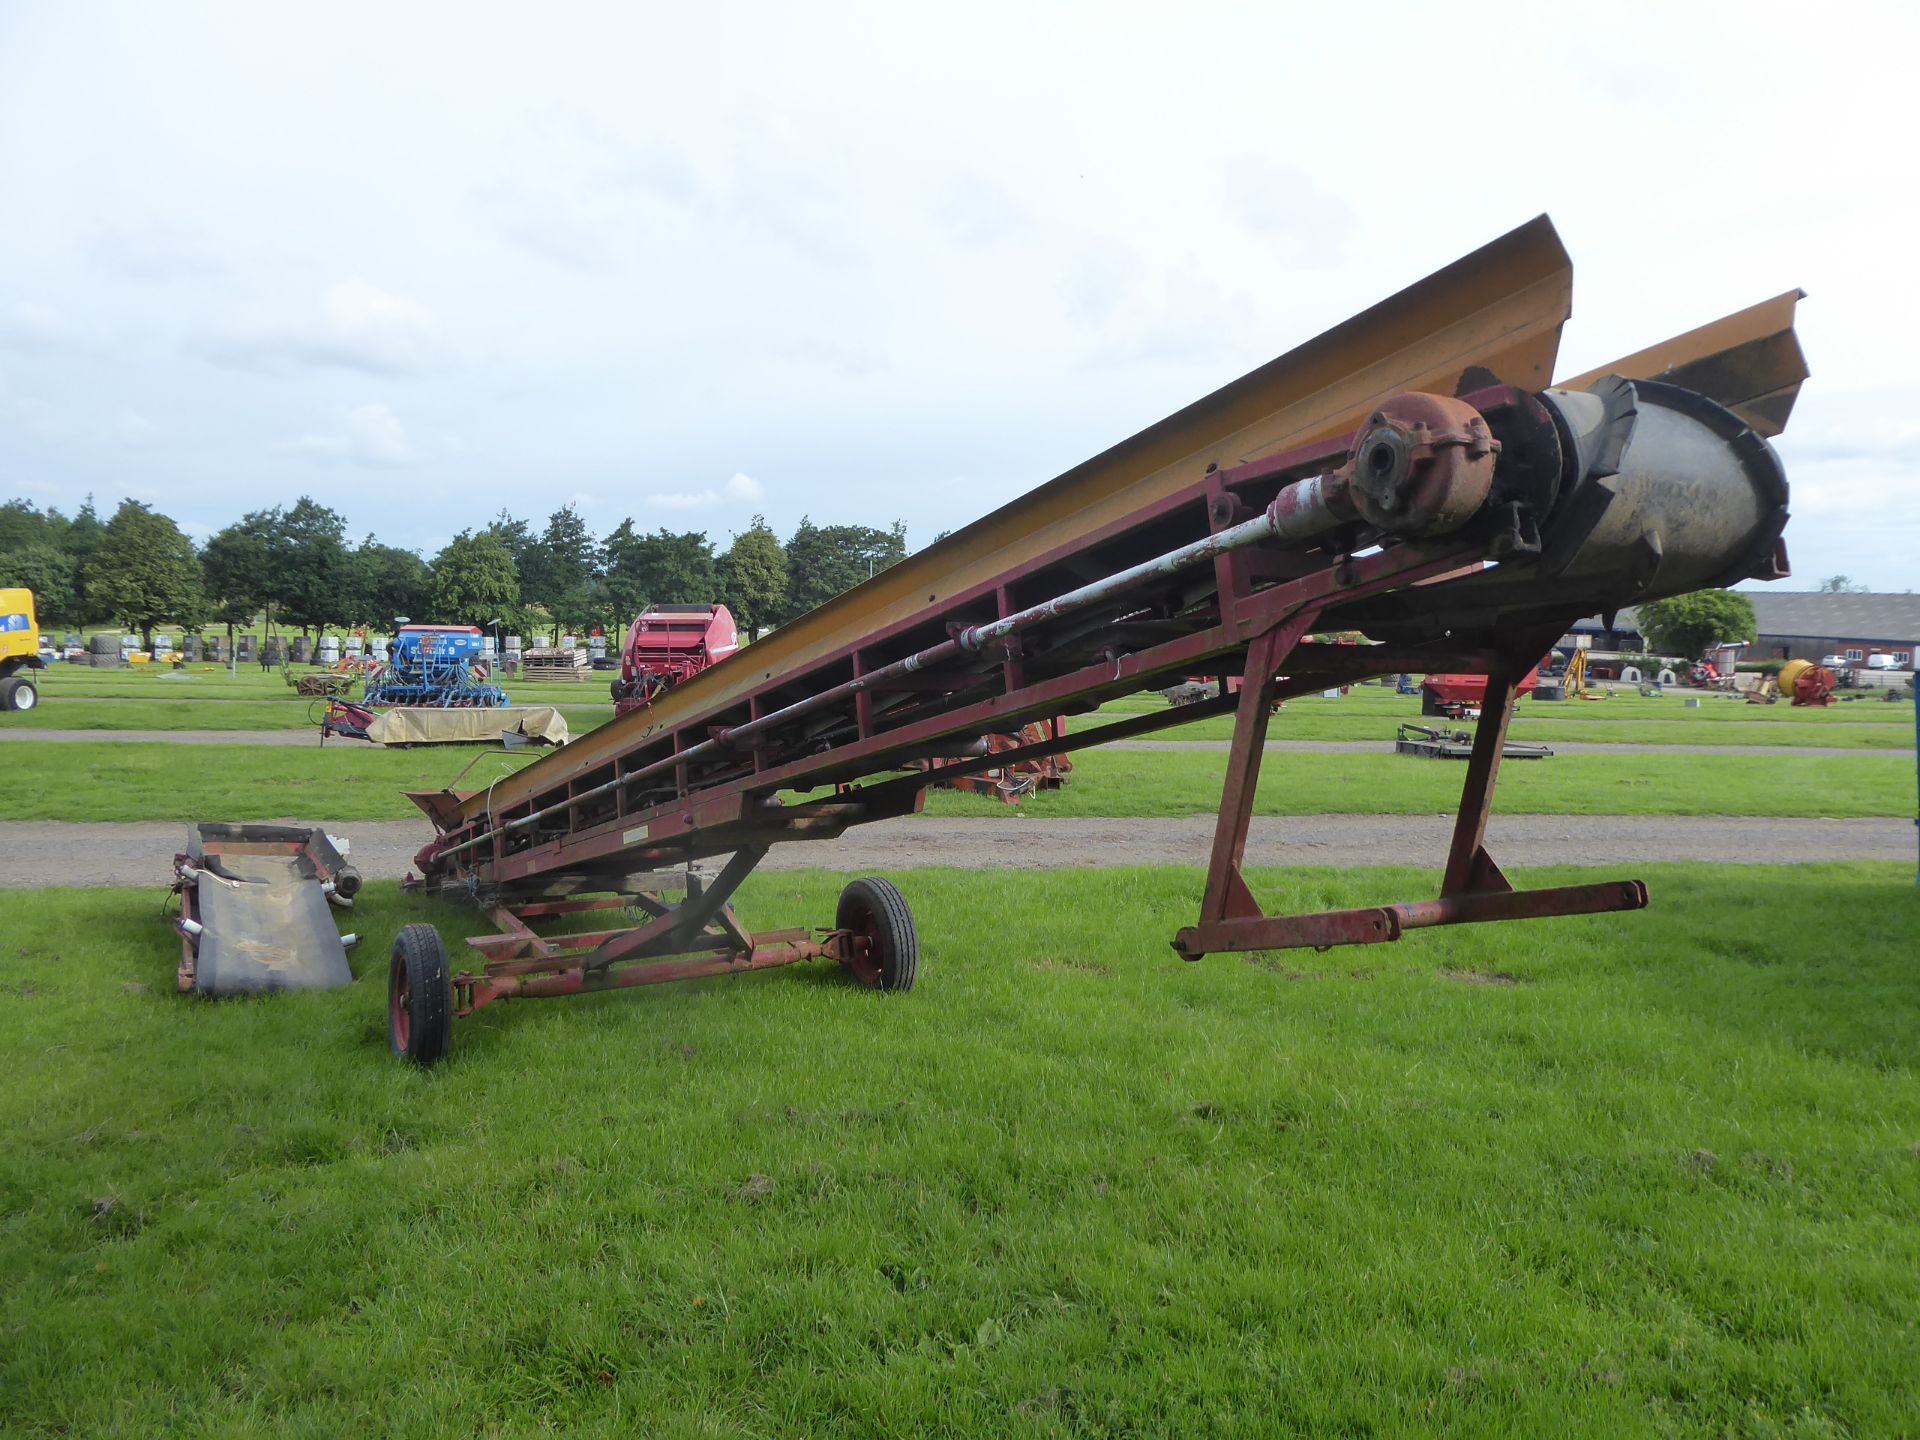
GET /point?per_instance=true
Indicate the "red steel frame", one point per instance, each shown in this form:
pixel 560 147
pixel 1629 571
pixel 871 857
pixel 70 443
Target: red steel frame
pixel 520 963
pixel 601 824
pixel 1092 586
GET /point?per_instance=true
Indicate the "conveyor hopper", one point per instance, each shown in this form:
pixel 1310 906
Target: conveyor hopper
pixel 255 909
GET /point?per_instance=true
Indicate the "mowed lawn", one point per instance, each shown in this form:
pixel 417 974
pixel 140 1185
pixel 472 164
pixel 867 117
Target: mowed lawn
pixel 200 698
pixel 1375 713
pixel 81 699
pixel 1653 1174
pixel 350 781
pixel 236 715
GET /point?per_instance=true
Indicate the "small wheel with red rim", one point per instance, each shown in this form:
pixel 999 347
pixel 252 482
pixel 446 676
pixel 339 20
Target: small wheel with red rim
pixel 419 996
pixel 884 948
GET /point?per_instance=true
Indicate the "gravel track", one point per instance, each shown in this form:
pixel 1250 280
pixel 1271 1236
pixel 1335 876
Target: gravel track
pixel 43 853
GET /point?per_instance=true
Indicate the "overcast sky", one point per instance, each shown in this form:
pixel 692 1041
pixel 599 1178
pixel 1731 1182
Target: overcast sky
pixel 423 262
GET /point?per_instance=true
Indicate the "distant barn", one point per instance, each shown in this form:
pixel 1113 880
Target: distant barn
pixel 1802 625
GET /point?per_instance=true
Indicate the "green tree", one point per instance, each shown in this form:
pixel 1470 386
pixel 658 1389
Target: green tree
pixel 80 539
pixel 237 563
pixel 524 546
pixel 586 605
pixel 46 571
pixel 33 553
pixel 474 580
pixel 144 573
pixel 1687 624
pixel 823 560
pixel 664 568
pixel 1841 585
pixel 385 582
pixel 565 562
pixel 753 576
pixel 22 524
pixel 308 575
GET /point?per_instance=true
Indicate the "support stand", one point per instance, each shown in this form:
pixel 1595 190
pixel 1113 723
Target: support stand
pixel 696 936
pixel 1474 888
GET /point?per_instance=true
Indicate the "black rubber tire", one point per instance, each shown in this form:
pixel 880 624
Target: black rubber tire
pixel 6 692
pixel 25 695
pixel 877 907
pixel 420 961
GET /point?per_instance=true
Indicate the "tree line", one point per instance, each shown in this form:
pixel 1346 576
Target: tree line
pixel 296 567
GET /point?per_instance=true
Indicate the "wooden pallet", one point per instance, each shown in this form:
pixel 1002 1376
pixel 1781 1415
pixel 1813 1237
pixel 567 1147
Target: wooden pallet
pixel 556 665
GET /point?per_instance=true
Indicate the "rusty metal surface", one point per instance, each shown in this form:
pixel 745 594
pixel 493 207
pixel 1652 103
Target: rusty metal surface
pixel 1423 466
pixel 1465 527
pixel 1386 923
pixel 1665 492
pixel 1495 314
pixel 1578 523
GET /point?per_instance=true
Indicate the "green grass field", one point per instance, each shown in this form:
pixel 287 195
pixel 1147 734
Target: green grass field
pixel 202 683
pixel 351 781
pixel 238 716
pixel 134 700
pixel 1651 1174
pixel 1371 713
pixel 1127 783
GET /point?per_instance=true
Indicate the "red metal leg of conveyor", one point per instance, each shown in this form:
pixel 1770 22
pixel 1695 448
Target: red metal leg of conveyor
pixel 1473 889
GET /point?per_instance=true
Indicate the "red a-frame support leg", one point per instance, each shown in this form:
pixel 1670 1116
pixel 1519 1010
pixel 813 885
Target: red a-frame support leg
pixel 1473 889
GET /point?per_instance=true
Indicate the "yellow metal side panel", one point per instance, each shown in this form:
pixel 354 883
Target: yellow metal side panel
pixel 16 643
pixel 1750 361
pixel 1493 315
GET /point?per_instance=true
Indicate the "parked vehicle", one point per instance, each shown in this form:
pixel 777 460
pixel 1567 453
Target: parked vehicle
pixel 1880 661
pixel 19 651
pixel 668 644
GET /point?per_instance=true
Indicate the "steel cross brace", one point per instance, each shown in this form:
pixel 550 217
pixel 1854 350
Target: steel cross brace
pixel 701 929
pixel 1473 889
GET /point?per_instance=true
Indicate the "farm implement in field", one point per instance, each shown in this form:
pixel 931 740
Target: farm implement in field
pixel 667 644
pixel 1412 476
pixel 444 666
pixel 1431 742
pixel 255 914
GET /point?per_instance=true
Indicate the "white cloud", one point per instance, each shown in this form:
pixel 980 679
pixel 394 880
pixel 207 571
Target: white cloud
pixel 135 431
pixel 578 195
pixel 359 327
pixel 852 269
pixel 740 490
pixel 26 413
pixel 35 329
pixel 371 436
pixel 154 250
pixel 1283 204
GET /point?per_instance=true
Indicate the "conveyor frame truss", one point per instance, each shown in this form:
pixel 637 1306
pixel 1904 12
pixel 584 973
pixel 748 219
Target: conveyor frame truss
pixel 1462 532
